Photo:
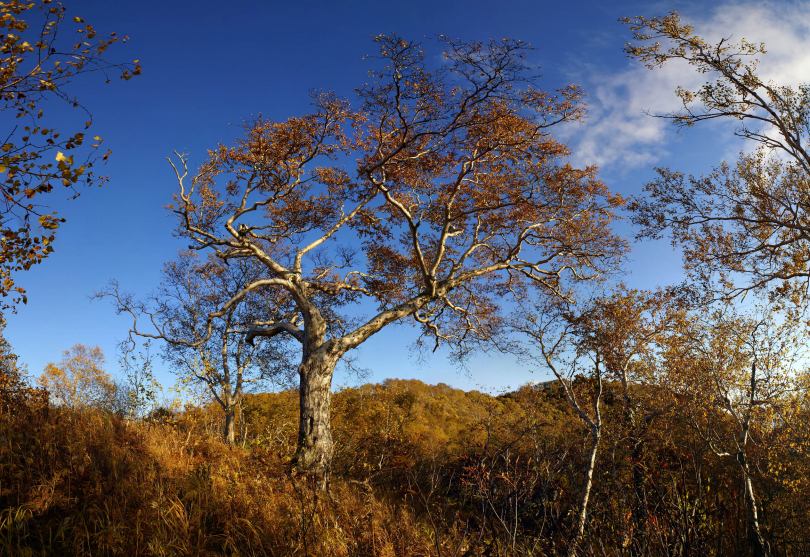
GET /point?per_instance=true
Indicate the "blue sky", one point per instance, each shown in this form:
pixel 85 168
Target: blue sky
pixel 210 66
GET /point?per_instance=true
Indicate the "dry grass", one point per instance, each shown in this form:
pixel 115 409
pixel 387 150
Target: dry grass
pixel 419 471
pixel 105 486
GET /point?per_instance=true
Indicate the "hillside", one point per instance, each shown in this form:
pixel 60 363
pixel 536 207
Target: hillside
pixel 419 470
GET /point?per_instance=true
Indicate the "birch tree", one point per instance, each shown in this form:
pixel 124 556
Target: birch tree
pixel 571 349
pixel 79 380
pixel 628 324
pixel 441 193
pixel 219 353
pixel 735 372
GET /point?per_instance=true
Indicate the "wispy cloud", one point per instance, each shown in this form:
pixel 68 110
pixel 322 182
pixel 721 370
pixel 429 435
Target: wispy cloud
pixel 620 131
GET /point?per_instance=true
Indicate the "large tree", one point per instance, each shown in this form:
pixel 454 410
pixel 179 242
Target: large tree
pixel 441 193
pixel 42 52
pixel 745 226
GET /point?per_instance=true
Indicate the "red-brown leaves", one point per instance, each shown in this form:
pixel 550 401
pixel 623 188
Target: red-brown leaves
pixel 445 182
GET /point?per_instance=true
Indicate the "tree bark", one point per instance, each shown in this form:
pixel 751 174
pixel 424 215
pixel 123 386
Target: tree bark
pixel 229 429
pixel 596 435
pixel 313 455
pixel 758 545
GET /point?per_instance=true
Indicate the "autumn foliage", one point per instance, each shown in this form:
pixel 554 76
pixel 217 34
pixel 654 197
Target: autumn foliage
pixel 43 50
pixel 440 195
pixel 420 470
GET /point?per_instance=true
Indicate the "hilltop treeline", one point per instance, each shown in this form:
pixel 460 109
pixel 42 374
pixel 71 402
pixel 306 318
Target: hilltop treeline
pixel 419 470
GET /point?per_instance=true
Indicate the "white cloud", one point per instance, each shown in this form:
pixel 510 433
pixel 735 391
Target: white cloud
pixel 620 131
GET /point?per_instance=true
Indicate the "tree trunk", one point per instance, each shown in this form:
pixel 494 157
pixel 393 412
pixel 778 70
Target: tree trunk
pixel 313 455
pixel 229 431
pixel 573 549
pixel 758 545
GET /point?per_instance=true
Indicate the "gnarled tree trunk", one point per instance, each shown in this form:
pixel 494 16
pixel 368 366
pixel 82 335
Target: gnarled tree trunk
pixel 315 446
pixel 229 428
pixel 313 455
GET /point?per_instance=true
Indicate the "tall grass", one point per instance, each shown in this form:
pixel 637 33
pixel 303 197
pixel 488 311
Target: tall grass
pixel 419 471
